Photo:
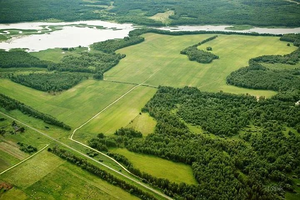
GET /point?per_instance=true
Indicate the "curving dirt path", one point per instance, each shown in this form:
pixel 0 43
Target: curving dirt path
pixel 86 156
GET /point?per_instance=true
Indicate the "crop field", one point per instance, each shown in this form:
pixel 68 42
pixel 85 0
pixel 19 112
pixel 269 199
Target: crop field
pixel 73 106
pixel 159 167
pixel 168 67
pixel 10 154
pixel 7 160
pixel 47 176
pixel 117 116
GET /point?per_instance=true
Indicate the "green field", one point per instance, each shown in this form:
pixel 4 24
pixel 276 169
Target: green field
pixel 117 116
pixel 7 160
pixel 10 154
pixel 143 123
pixel 169 67
pixel 161 168
pixel 47 176
pixel 74 106
pixel 56 55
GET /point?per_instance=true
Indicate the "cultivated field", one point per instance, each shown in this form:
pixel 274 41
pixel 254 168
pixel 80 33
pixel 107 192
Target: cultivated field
pixel 117 116
pixel 169 67
pixel 74 106
pixel 47 176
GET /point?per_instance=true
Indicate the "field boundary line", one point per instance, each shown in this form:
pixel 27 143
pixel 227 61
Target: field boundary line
pixel 104 109
pixel 101 111
pixel 24 160
pixel 88 157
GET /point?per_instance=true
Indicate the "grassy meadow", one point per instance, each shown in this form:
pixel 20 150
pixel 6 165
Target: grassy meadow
pixel 56 55
pixel 117 116
pixel 46 176
pixel 158 167
pixel 74 106
pixel 143 123
pixel 169 67
pixel 10 154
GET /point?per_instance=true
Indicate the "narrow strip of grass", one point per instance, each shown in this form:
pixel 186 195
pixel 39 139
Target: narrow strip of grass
pixel 158 167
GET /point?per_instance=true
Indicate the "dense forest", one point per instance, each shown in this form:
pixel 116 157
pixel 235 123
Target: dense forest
pixel 110 46
pixel 10 104
pixel 37 10
pixel 257 76
pixel 16 59
pixel 88 62
pixel 264 152
pixel 195 54
pixel 257 13
pixel 49 82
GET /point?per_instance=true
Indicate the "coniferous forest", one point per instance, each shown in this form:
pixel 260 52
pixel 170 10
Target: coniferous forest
pixel 257 13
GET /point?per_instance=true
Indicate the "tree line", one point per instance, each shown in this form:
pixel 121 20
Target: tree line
pixel 49 82
pixel 11 104
pixel 195 54
pixel 256 76
pixel 294 38
pixel 138 32
pixel 27 148
pixel 20 59
pixel 110 46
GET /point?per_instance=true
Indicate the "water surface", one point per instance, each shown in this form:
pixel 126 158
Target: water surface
pixel 84 33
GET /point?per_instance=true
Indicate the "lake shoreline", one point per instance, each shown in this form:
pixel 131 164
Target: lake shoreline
pixel 51 35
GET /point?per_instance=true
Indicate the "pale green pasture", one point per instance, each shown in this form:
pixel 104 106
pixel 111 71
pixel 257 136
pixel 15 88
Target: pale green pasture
pixel 158 61
pixel 143 123
pixel 71 182
pixel 46 176
pixel 7 160
pixel 158 167
pixel 32 170
pixel 118 115
pixel 74 106
pixel 56 55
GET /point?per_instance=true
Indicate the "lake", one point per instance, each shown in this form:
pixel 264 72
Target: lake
pixel 44 35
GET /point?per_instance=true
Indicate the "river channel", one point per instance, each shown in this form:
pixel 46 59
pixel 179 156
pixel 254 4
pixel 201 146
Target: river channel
pixel 43 35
